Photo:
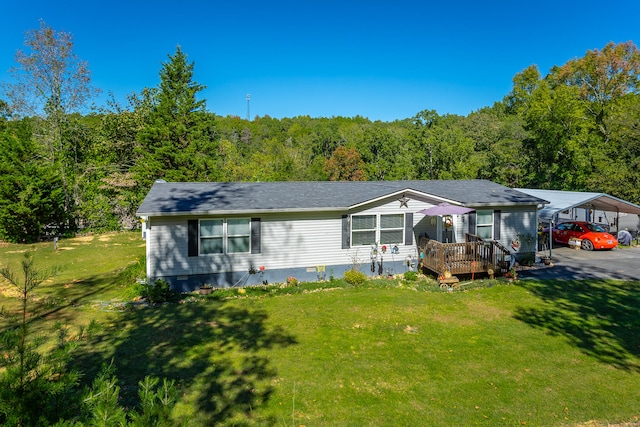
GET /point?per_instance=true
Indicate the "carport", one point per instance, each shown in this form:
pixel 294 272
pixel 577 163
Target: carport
pixel 560 201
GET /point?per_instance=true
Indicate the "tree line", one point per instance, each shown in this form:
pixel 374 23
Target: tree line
pixel 64 168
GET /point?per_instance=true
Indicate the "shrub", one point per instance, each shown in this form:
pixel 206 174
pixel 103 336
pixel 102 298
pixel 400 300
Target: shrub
pixel 132 279
pixel 528 259
pixel 354 277
pixel 158 292
pixel 132 272
pixel 411 276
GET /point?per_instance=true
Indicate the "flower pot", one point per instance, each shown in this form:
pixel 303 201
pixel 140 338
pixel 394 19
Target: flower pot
pixel 206 291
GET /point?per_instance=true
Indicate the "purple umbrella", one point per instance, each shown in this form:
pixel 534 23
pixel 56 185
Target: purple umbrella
pixel 445 209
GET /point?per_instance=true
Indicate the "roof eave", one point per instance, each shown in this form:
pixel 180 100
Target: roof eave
pixel 405 191
pixel 241 211
pixel 493 205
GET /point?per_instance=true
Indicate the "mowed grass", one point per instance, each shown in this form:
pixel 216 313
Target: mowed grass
pixel 549 353
pixel 89 272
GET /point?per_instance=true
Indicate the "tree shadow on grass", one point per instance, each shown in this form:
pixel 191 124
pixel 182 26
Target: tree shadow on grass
pixel 55 305
pixel 600 317
pixel 213 350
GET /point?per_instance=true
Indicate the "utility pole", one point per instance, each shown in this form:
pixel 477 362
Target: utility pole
pixel 248 109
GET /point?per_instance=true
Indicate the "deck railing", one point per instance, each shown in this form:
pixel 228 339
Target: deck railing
pixel 473 256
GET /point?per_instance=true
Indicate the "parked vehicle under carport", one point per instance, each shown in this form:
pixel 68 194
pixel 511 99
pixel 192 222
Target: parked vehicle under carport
pixel 592 236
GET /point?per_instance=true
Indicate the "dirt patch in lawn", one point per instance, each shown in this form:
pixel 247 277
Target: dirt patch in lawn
pixel 484 311
pixel 82 239
pixel 598 424
pixel 8 291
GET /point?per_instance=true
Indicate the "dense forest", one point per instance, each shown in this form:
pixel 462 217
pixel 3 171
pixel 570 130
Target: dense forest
pixel 65 168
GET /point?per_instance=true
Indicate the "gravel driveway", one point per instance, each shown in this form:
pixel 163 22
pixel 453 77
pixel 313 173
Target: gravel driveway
pixel 620 263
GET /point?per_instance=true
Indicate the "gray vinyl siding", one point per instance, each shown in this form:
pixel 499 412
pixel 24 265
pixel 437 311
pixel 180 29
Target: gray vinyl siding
pixel 518 221
pixel 287 241
pixel 302 240
pixel 167 247
pixel 297 240
pixel 514 221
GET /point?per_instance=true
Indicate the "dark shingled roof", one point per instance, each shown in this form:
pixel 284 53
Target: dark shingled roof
pixel 176 198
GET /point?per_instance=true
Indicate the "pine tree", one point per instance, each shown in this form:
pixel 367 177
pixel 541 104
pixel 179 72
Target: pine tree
pixel 176 145
pixel 33 386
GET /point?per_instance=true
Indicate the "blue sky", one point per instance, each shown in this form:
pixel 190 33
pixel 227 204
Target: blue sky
pixel 383 60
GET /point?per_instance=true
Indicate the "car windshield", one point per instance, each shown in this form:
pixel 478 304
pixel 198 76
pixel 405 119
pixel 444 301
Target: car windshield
pixel 596 228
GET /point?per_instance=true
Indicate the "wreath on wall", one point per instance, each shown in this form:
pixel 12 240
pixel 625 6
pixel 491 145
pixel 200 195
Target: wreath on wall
pixel 448 221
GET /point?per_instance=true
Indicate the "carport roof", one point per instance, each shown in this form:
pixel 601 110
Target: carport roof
pixel 563 200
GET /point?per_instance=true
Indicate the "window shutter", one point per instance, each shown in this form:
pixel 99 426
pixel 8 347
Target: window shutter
pixel 345 232
pixel 496 224
pixel 255 236
pixel 472 222
pixel 192 232
pixel 408 228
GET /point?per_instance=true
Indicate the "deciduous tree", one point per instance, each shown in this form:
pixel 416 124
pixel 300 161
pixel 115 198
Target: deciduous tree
pixel 345 164
pixel 602 76
pixel 524 83
pixel 560 139
pixel 50 82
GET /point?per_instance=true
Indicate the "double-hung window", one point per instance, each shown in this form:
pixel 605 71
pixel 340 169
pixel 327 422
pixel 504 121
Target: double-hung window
pixel 484 224
pixel 380 228
pixel 392 228
pixel 238 235
pixel 219 236
pixel 363 230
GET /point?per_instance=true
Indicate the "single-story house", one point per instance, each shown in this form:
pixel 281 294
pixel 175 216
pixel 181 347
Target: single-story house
pixel 245 233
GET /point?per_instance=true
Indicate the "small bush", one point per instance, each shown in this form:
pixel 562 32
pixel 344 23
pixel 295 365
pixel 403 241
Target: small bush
pixel 132 280
pixel 528 259
pixel 354 277
pixel 411 276
pixel 132 272
pixel 158 292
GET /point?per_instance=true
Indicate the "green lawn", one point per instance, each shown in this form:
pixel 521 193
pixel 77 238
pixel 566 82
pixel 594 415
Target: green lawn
pixel 536 353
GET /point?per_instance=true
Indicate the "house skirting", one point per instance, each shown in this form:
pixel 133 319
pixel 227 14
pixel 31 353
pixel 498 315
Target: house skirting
pixel 189 283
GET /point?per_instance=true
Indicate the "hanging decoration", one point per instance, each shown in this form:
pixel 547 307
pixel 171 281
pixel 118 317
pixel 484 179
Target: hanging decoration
pixel 448 221
pixel 515 244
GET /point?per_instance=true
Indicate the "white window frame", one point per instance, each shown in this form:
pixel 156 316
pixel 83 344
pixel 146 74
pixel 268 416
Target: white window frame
pixel 364 230
pixel 378 230
pixel 225 236
pixel 391 229
pixel 489 224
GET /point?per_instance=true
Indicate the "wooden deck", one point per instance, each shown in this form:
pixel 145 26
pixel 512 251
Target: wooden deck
pixel 473 256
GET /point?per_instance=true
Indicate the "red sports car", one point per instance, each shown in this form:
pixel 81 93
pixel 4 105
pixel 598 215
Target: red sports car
pixel 592 235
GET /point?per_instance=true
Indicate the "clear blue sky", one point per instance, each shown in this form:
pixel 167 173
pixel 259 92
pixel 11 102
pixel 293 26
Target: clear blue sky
pixel 384 60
